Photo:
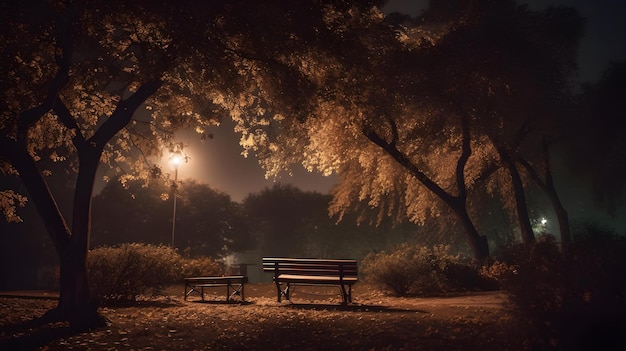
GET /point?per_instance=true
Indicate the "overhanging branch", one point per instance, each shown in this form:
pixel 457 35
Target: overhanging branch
pixel 123 113
pixel 405 162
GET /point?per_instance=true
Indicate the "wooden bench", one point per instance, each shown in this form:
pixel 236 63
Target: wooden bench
pixel 234 282
pixel 311 271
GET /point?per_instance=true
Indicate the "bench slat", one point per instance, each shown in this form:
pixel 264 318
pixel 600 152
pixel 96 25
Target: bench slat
pixel 305 260
pixel 352 269
pixel 217 280
pixel 320 279
pixel 309 266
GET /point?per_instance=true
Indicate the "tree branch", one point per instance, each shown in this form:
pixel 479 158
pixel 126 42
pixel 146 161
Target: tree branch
pixel 403 160
pixel 123 113
pixel 465 155
pixel 65 116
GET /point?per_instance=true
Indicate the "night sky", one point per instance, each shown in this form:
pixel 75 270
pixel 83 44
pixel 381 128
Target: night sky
pixel 219 164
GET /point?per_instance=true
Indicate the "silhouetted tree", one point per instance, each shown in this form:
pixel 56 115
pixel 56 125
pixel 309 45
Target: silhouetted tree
pixel 208 223
pixel 290 221
pixel 279 213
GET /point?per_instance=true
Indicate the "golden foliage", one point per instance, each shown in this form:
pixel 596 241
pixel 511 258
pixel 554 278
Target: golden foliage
pixel 9 202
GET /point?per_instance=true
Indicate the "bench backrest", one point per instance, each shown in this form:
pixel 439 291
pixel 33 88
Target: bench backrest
pixel 310 266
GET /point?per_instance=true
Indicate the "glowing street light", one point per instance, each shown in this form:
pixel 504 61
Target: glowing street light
pixel 176 159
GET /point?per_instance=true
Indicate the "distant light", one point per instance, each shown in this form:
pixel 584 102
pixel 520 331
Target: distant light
pixel 544 221
pixel 176 158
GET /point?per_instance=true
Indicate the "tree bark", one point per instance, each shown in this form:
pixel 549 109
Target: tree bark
pixel 478 243
pixel 548 187
pixel 520 198
pixel 562 217
pixel 75 300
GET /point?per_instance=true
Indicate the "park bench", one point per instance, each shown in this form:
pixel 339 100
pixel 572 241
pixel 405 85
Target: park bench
pixel 234 282
pixel 311 271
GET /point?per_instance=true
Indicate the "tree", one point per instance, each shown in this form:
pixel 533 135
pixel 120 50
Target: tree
pixel 280 213
pixel 520 63
pixel 131 214
pixel 45 70
pixel 208 222
pixel 427 113
pixel 292 222
pixel 111 80
pixel 387 102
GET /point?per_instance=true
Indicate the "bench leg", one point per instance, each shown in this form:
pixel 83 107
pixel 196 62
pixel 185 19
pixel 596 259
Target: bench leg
pixel 344 295
pixel 189 289
pixel 282 292
pixel 287 292
pixel 350 293
pixel 278 292
pixel 236 291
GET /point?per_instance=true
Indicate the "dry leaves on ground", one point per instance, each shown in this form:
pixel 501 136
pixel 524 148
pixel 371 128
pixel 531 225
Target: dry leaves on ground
pixel 315 321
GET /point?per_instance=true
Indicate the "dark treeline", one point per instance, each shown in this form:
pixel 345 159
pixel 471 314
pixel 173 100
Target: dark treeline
pixel 282 220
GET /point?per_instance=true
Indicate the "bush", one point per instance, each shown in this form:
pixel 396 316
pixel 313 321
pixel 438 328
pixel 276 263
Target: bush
pixel 413 270
pixel 494 273
pixel 125 272
pixel 200 266
pixel 569 301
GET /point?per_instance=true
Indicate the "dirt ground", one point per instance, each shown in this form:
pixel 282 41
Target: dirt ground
pixel 314 320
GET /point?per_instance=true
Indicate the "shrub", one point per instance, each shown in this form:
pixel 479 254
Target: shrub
pixel 200 266
pixel 572 300
pixel 125 272
pixel 494 273
pixel 414 270
pixel 397 271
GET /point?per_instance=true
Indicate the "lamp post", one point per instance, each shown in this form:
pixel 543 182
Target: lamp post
pixel 176 158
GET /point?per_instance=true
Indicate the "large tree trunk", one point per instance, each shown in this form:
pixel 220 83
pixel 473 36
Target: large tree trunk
pixel 548 187
pixel 563 219
pixel 76 302
pixel 559 210
pixel 520 198
pixel 478 243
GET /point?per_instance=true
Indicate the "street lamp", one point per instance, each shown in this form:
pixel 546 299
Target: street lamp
pixel 176 159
